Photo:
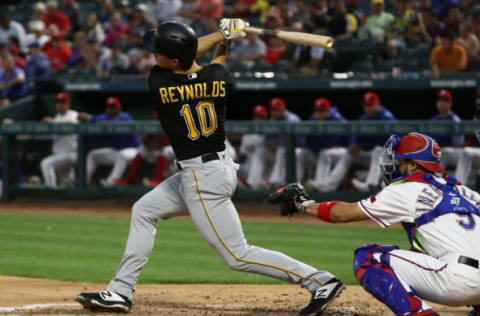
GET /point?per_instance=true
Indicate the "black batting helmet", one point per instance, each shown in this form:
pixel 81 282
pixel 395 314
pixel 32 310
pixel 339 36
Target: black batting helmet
pixel 174 40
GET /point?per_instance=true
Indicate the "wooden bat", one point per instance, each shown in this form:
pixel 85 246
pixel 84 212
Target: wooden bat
pixel 295 37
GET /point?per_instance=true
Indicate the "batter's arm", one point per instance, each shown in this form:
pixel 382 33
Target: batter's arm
pixel 207 42
pixel 220 56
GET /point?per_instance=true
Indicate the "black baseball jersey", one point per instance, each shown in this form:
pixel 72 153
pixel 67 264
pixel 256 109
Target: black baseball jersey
pixel 191 108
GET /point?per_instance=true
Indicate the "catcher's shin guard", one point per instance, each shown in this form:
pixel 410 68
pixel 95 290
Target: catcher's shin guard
pixel 377 278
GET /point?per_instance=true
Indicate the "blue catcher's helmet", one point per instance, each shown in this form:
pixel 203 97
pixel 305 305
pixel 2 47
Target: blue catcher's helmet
pixel 420 148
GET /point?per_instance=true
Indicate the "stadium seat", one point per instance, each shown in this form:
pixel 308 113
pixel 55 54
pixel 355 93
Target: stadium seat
pixel 262 66
pixel 282 67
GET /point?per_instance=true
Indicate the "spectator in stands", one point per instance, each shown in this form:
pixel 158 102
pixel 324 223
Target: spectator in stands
pixel 124 8
pixel 317 11
pixel 380 22
pixel 116 27
pixel 72 10
pixel 57 169
pixel 449 56
pixel 143 61
pixel 54 16
pixel 163 10
pixel 454 18
pixel 155 149
pixel 251 49
pixel 275 51
pixel 452 145
pixel 122 149
pixel 142 23
pixel 260 9
pixel 328 151
pixel 13 47
pixel 241 8
pixel 442 6
pixel 284 11
pixel 250 143
pixel 470 42
pixel 39 11
pixel 368 148
pixel 210 12
pixel 414 40
pixel 428 23
pixel 108 11
pixel 93 29
pixel 59 53
pixel 10 28
pixel 470 156
pixel 37 33
pixel 6 50
pixel 476 21
pixel 38 64
pixel 116 63
pixel 13 84
pixel 309 60
pixel 343 24
pixel 189 11
pixel 79 42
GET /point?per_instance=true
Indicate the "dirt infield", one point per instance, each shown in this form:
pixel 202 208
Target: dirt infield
pixel 25 296
pixel 20 295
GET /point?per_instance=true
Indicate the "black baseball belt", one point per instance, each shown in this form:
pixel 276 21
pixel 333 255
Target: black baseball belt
pixel 205 158
pixel 468 261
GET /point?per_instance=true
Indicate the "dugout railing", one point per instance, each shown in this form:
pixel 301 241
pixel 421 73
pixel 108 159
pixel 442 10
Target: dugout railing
pixel 11 134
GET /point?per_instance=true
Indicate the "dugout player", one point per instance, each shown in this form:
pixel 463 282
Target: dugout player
pixel 442 221
pixel 191 103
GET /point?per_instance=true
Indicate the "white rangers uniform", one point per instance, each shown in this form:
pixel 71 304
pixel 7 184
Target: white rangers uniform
pixel 64 157
pixel 436 274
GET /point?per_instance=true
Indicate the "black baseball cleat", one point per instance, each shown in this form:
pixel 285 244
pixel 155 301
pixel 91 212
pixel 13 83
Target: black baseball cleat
pixel 104 301
pixel 322 297
pixel 475 311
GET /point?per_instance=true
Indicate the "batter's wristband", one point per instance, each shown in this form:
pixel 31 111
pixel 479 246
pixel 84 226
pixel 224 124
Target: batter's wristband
pixel 323 211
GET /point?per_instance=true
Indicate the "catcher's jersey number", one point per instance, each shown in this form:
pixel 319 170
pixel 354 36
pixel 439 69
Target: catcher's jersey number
pixel 206 116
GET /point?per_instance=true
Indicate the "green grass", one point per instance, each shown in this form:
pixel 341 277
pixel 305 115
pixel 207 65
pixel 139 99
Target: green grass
pixel 89 249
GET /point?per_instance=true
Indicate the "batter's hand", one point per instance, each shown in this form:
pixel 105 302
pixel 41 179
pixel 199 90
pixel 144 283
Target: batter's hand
pixel 233 28
pixel 292 198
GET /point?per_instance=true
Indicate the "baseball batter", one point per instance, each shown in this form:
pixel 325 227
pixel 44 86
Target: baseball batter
pixel 442 221
pixel 191 103
pixel 64 147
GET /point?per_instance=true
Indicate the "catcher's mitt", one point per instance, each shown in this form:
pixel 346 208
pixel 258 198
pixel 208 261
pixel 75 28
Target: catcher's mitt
pixel 292 198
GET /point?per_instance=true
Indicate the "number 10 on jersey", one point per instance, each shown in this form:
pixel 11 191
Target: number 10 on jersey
pixel 206 116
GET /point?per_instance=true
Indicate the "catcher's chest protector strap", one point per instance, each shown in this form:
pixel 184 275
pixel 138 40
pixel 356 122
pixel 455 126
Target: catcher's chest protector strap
pixel 452 201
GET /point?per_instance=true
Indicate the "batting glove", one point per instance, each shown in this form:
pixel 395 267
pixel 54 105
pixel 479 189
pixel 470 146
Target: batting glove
pixel 233 28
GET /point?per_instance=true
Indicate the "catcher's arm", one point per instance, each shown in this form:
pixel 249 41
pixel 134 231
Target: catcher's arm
pixel 293 199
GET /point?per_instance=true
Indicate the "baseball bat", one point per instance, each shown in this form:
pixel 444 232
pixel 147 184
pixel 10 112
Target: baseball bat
pixel 295 37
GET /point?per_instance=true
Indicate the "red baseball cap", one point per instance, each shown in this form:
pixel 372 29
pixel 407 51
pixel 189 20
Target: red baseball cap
pixel 444 95
pixel 422 149
pixel 62 97
pixel 277 104
pixel 321 104
pixel 113 102
pixel 260 110
pixel 370 98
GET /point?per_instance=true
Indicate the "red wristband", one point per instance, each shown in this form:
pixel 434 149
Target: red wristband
pixel 323 212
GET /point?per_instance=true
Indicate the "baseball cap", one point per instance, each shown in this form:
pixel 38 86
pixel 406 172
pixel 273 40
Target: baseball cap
pixel 277 104
pixel 260 110
pixel 378 2
pixel 62 97
pixel 321 104
pixel 370 98
pixel 444 95
pixel 113 102
pixel 36 25
pixel 141 7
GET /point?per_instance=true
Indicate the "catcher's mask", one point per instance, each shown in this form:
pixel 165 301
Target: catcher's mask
pixel 420 148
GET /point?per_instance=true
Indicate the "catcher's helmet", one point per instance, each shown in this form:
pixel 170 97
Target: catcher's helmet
pixel 420 148
pixel 173 40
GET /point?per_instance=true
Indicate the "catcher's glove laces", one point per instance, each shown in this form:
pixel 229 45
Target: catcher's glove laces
pixel 292 198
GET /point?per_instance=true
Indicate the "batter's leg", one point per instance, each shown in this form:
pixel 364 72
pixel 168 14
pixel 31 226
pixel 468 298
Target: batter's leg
pixel 99 156
pixel 164 201
pixel 207 196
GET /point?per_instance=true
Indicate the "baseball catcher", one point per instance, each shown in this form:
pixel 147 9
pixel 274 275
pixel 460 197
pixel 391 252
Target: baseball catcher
pixel 442 221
